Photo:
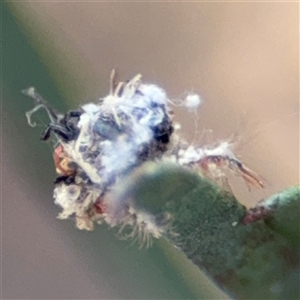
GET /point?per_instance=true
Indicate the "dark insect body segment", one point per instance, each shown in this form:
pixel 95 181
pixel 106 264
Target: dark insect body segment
pixel 66 127
pixel 65 179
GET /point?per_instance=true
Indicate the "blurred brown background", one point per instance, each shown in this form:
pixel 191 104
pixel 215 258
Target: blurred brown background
pixel 242 58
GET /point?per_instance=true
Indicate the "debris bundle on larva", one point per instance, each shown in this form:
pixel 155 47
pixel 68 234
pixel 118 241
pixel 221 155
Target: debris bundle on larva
pixel 102 142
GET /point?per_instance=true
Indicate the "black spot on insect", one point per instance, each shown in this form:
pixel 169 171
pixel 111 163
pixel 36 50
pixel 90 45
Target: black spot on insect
pixel 65 179
pixel 163 131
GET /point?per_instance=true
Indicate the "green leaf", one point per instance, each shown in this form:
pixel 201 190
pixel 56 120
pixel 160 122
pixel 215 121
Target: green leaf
pixel 248 261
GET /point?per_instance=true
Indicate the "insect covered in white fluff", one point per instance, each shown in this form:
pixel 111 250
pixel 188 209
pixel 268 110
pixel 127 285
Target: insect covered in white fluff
pixel 104 141
pixel 121 132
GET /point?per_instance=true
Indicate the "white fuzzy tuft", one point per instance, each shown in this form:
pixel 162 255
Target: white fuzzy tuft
pixel 192 102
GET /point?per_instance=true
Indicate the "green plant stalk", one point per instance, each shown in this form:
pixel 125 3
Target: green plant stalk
pixel 259 260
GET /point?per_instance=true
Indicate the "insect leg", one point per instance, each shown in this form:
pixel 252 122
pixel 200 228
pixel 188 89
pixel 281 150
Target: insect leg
pixel 60 131
pixel 40 103
pixel 248 175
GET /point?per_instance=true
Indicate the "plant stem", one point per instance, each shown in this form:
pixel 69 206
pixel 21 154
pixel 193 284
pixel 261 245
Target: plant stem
pixel 258 260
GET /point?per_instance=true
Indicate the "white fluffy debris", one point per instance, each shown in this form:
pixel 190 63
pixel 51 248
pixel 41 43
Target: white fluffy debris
pixel 192 102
